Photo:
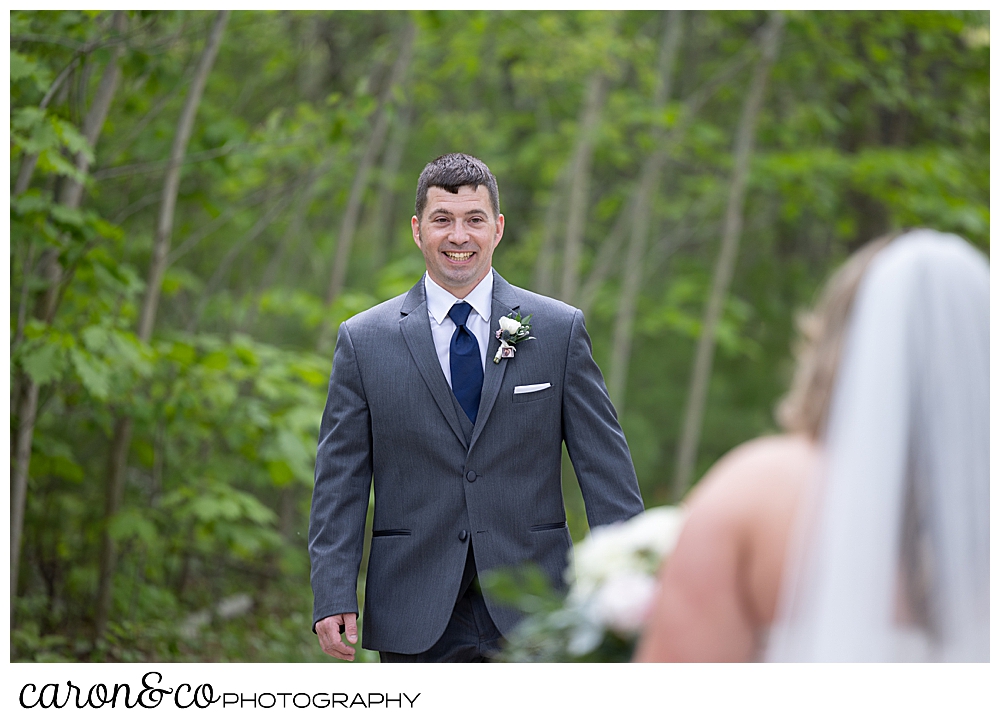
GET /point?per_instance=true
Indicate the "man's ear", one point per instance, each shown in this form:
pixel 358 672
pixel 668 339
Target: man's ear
pixel 496 242
pixel 415 227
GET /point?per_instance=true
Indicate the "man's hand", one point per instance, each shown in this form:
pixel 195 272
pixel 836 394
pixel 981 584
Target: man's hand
pixel 329 630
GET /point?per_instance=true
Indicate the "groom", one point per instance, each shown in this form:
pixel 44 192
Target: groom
pixel 463 443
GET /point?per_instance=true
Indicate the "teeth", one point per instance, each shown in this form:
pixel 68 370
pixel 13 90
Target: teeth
pixel 458 255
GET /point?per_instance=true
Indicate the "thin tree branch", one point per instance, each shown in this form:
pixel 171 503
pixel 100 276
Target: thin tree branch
pixel 607 256
pixel 345 237
pixel 725 265
pixel 118 457
pixel 227 261
pixel 141 124
pixel 292 234
pixel 579 192
pixel 545 261
pixel 72 191
pixel 154 166
pixel 257 197
pixel 621 347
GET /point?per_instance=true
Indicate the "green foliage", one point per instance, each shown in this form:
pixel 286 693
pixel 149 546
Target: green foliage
pixel 546 632
pixel 873 120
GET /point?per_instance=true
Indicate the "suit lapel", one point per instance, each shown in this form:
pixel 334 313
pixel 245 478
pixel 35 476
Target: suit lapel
pixel 416 328
pixel 504 302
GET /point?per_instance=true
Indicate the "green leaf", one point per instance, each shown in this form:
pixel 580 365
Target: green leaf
pixel 181 352
pixel 178 279
pixel 216 360
pixel 94 375
pixel 61 464
pixel 96 338
pixel 256 511
pixel 312 376
pixel 67 216
pixel 50 160
pixel 131 524
pixel 281 473
pixel 21 67
pixel 30 203
pixel 45 363
pixel 73 139
pixel 24 119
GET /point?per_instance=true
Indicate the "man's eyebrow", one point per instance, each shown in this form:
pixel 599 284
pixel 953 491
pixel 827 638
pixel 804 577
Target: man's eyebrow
pixel 445 212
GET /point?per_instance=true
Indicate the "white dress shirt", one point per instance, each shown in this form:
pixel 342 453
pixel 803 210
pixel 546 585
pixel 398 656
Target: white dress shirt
pixel 440 301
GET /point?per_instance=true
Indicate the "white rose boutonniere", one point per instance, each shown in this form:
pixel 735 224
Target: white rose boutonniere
pixel 512 330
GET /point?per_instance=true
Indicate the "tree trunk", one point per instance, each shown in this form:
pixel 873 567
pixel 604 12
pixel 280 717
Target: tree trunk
pixel 621 347
pixel 165 223
pixel 348 224
pixel 123 425
pixel 71 190
pixel 384 222
pixel 70 196
pixel 702 370
pixel 607 258
pixel 22 457
pixel 546 259
pixel 99 107
pixel 579 192
pixel 118 24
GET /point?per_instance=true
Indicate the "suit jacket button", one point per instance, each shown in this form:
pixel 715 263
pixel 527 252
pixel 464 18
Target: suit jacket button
pixel 470 475
pixel 463 535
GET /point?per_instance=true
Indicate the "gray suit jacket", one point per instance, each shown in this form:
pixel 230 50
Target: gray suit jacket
pixel 441 483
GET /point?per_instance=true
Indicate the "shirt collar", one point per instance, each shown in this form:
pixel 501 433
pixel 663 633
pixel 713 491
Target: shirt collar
pixel 440 301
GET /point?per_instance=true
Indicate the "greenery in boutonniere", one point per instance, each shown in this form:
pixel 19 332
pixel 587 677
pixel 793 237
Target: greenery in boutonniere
pixel 512 330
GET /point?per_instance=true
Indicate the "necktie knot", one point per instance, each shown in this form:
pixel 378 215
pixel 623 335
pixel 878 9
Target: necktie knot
pixel 459 312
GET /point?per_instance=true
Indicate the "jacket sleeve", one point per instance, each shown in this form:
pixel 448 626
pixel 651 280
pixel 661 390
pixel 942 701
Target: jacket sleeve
pixel 342 487
pixel 594 439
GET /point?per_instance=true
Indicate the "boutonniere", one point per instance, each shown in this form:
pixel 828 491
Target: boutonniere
pixel 512 330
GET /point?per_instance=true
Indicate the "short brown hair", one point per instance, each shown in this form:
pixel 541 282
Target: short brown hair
pixel 451 172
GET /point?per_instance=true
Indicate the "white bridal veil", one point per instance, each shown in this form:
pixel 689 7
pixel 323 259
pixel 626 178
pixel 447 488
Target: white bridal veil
pixel 890 560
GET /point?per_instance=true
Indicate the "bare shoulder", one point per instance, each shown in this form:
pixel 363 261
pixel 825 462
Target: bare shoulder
pixel 718 587
pixel 765 454
pixel 750 473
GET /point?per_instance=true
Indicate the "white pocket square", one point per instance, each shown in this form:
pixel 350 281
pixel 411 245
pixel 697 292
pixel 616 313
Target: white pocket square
pixel 528 388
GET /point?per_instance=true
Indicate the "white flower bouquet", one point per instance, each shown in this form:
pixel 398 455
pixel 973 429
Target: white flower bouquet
pixel 612 582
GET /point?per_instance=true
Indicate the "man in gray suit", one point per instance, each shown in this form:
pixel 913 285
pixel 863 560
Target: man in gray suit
pixel 462 439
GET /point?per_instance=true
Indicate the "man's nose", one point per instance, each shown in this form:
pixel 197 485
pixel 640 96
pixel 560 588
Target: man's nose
pixel 460 232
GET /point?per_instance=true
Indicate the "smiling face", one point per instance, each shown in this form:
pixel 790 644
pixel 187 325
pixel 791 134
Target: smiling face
pixel 457 235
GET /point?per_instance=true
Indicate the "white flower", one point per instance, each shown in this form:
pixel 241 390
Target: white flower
pixel 639 545
pixel 613 581
pixel 623 602
pixel 509 325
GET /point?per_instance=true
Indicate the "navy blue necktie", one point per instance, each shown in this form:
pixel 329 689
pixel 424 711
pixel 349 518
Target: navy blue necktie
pixel 466 363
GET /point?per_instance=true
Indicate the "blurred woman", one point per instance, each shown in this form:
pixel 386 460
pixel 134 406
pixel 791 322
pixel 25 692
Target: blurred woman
pixel 863 533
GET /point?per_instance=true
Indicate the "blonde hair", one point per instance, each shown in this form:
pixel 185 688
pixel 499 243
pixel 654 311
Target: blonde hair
pixel 817 352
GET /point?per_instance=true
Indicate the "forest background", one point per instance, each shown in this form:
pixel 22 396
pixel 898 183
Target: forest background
pixel 199 198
